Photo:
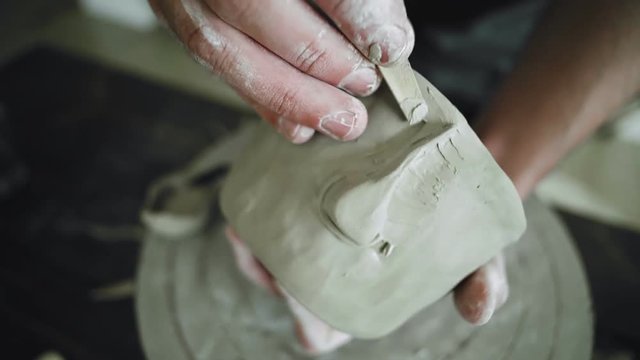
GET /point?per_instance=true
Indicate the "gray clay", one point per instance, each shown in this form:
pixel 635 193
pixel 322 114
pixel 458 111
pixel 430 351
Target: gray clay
pixel 193 303
pixel 365 234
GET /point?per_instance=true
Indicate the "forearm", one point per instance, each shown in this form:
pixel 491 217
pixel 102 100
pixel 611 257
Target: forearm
pixel 582 64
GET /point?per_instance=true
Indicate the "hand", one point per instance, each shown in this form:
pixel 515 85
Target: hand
pixel 291 64
pixel 528 131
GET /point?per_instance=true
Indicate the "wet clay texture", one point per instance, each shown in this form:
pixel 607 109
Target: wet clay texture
pixel 365 234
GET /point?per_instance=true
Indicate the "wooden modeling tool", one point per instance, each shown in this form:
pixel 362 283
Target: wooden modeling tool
pixel 403 84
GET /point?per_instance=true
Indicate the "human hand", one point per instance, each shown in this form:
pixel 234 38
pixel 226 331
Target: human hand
pixel 290 63
pixel 528 131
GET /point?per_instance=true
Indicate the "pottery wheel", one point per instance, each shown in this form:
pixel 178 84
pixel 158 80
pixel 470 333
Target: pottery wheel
pixel 192 303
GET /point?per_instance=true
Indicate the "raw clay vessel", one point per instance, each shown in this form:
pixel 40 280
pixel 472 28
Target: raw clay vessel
pixel 367 233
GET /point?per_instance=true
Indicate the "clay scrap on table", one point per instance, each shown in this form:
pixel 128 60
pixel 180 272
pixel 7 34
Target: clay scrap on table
pixel 367 233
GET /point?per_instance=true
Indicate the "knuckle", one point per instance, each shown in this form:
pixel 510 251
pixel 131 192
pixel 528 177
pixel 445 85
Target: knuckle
pixel 219 58
pixel 194 41
pixel 283 102
pixel 312 59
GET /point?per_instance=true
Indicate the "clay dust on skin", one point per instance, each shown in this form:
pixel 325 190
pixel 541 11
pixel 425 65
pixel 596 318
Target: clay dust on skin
pixel 362 79
pixel 363 73
pixel 241 70
pixel 242 76
pixel 197 14
pixel 366 15
pixel 306 53
pixel 343 124
pixel 493 281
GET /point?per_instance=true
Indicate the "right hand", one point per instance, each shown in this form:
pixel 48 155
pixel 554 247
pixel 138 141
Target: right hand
pixel 287 61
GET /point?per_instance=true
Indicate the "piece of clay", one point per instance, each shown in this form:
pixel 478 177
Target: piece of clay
pixel 365 234
pixel 192 303
pixel 314 334
pixel 174 209
pixel 178 204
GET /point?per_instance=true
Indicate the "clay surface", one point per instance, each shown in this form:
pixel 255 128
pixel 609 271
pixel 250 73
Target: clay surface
pixel 365 234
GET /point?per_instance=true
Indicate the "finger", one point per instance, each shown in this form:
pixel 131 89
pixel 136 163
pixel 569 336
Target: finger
pixel 248 265
pixel 301 37
pixel 292 131
pixel 479 295
pixel 379 28
pixel 262 77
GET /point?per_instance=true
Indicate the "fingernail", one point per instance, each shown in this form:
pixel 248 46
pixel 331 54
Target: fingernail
pixel 388 45
pixel 339 125
pixel 362 81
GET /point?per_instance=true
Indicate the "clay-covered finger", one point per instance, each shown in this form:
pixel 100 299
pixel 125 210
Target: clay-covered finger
pixel 379 28
pixel 479 295
pixel 262 77
pixel 298 34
